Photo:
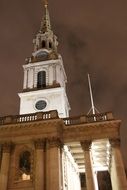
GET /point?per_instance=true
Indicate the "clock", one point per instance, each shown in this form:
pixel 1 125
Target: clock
pixel 40 105
pixel 42 55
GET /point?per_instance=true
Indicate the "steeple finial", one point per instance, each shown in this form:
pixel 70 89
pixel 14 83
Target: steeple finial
pixel 45 3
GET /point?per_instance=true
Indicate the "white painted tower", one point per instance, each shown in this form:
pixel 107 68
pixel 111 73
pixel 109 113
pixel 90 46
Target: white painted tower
pixel 45 79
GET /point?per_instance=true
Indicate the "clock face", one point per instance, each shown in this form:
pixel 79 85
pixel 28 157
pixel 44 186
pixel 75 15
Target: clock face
pixel 42 55
pixel 40 105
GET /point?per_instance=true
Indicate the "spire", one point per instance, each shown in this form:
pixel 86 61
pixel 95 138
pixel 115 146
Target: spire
pixel 45 24
pixel 45 39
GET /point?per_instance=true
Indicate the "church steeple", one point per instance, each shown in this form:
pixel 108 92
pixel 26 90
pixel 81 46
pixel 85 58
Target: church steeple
pixel 45 24
pixel 45 79
pixel 44 40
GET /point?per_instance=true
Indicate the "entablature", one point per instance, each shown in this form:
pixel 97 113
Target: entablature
pixel 48 124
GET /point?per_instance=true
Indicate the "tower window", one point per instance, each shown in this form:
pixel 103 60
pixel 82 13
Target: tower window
pixel 50 45
pixel 43 44
pixel 25 165
pixel 41 79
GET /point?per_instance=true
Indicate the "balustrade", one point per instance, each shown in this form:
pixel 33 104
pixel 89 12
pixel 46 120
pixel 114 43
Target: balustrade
pixel 88 118
pixel 54 115
pixel 28 117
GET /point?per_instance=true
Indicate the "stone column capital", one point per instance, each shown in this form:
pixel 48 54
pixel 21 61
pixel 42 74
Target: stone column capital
pixel 54 142
pixel 86 145
pixel 6 147
pixel 114 142
pixel 39 143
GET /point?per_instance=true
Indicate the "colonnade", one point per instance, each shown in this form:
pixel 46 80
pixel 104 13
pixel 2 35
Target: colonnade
pixel 117 171
pixel 48 169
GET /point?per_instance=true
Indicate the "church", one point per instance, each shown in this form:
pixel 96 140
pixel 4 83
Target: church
pixel 43 148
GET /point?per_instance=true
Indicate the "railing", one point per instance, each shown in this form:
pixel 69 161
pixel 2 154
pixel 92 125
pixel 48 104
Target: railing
pixel 54 115
pixel 88 118
pixel 28 117
pixel 72 120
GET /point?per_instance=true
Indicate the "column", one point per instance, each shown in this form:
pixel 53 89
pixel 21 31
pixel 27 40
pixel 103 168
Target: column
pixel 86 145
pixel 61 165
pixel 117 171
pixel 25 79
pixel 39 165
pixel 54 74
pixel 53 166
pixel 4 172
pixel 30 78
pixel 95 180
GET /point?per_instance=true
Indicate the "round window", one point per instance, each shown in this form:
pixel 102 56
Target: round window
pixel 40 105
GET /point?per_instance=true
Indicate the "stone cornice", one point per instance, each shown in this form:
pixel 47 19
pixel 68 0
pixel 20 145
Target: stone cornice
pixel 28 131
pixel 56 128
pixel 96 124
pixel 27 125
pixel 99 130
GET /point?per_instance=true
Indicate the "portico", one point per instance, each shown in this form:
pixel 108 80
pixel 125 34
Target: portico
pixel 93 145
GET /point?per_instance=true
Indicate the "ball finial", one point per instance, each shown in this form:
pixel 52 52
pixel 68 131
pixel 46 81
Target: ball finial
pixel 45 3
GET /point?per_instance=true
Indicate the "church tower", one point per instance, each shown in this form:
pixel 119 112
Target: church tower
pixel 45 79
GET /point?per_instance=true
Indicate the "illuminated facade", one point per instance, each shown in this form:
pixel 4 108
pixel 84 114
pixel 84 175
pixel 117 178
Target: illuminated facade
pixel 45 149
pixel 45 79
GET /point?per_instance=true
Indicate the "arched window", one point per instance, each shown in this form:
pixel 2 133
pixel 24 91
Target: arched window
pixel 43 44
pixel 50 45
pixel 25 165
pixel 41 79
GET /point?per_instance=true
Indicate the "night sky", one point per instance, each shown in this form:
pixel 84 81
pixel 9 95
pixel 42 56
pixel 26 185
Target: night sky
pixel 92 39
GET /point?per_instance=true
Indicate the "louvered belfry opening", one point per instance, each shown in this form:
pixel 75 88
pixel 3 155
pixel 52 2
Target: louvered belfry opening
pixel 41 79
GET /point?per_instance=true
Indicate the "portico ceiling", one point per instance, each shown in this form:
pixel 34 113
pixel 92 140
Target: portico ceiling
pixel 100 154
